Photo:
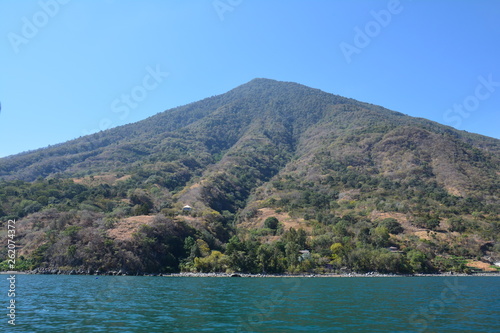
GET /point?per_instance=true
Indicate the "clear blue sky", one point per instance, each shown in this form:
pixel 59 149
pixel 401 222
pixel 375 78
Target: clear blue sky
pixel 68 66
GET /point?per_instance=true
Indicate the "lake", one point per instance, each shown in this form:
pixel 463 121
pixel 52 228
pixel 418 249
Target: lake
pixel 69 303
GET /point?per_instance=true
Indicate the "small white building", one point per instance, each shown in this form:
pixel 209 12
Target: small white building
pixel 187 208
pixel 304 255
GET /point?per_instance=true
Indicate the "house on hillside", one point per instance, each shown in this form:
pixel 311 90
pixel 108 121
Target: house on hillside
pixel 394 249
pixel 304 255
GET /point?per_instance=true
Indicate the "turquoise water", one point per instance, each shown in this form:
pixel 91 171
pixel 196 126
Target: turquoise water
pixel 48 303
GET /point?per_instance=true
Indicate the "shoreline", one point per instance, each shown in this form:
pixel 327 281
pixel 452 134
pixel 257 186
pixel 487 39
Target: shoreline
pixel 248 275
pixel 348 275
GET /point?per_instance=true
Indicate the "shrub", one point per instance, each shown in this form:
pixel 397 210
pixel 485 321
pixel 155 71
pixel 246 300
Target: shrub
pixel 457 224
pixel 271 223
pixel 392 225
pixel 427 222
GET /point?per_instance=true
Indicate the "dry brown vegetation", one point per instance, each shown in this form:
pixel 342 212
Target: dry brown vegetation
pixel 108 179
pixel 284 218
pixel 484 266
pixel 343 171
pixel 123 229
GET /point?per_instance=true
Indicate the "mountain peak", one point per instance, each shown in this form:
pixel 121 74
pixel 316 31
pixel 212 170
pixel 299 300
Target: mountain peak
pixel 342 172
pixel 259 84
pixel 286 109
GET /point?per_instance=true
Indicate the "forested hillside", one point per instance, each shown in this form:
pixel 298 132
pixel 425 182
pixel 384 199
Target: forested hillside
pixel 279 177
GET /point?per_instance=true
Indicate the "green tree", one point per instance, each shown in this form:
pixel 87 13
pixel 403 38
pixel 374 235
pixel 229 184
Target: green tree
pixel 270 258
pixel 417 261
pixel 271 223
pixel 203 247
pixel 292 255
pixel 392 225
pixel 380 236
pixel 427 222
pixel 215 262
pixel 337 250
pixel 457 224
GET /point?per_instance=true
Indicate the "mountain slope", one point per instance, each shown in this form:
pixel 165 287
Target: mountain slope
pixel 288 104
pixel 349 173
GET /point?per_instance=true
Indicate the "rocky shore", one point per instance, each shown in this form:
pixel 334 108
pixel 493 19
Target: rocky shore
pixel 56 271
pixel 371 274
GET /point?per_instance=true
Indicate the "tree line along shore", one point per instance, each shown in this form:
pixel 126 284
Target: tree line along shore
pixel 41 271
